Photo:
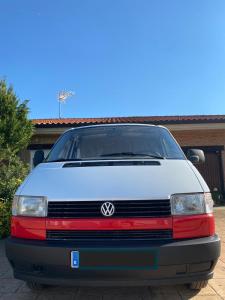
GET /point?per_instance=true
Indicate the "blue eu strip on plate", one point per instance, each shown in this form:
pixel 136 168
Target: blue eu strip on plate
pixel 75 259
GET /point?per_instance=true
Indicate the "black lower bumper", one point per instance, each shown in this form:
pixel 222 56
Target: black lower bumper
pixel 174 262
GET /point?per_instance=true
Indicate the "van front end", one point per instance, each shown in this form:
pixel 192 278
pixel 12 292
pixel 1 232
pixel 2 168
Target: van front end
pixel 153 247
pixel 114 204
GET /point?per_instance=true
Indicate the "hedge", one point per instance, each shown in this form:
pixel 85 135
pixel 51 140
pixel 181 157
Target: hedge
pixel 5 216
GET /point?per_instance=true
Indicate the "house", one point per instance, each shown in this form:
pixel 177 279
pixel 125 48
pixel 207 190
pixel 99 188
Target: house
pixel 206 132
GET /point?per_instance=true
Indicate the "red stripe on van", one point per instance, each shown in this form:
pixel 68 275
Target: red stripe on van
pixel 193 226
pixel 109 224
pixel 28 228
pixel 183 226
pixel 35 228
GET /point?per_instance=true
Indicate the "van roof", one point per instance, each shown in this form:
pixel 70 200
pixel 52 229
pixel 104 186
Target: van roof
pixel 117 124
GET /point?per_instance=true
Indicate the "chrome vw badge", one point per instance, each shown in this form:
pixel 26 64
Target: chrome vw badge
pixel 107 209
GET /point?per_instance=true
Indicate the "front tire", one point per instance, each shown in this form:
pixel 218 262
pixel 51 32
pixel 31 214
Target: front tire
pixel 198 285
pixel 35 286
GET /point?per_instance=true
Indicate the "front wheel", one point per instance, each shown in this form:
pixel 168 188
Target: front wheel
pixel 198 285
pixel 35 286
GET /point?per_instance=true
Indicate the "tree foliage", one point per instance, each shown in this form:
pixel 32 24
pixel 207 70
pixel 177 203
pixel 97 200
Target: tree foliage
pixel 15 128
pixel 12 173
pixel 5 214
pixel 15 133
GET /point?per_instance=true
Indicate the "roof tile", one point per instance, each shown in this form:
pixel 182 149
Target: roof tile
pixel 144 119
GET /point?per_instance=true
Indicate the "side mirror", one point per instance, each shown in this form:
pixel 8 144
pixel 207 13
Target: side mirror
pixel 38 157
pixel 196 156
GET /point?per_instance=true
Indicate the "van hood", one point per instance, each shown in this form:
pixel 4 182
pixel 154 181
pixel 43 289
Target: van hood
pixel 115 182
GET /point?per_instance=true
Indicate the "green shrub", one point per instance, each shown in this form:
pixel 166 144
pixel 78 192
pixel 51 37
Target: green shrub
pixel 5 216
pixel 12 173
pixel 15 133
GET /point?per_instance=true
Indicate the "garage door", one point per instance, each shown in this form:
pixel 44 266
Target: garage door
pixel 211 170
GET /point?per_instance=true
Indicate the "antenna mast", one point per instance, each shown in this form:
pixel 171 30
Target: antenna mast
pixel 62 96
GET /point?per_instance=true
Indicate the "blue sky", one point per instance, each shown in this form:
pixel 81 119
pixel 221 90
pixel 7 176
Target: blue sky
pixel 121 57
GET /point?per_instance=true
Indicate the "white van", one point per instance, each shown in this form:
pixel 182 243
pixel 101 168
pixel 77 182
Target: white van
pixel 114 204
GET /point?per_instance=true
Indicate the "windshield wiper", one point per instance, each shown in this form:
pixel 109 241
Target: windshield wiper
pixel 109 155
pixel 62 160
pixel 133 154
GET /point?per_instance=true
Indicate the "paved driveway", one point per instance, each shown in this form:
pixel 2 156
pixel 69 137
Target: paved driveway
pixel 13 289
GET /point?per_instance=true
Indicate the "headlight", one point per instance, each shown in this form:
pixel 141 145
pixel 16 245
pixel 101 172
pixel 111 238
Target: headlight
pixel 32 206
pixel 191 204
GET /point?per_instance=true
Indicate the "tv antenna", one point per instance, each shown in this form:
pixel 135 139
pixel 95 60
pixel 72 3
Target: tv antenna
pixel 62 96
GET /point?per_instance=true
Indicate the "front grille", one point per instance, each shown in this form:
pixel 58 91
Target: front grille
pixel 92 235
pixel 123 209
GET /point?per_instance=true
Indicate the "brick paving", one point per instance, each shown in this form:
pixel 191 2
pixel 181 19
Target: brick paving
pixel 13 289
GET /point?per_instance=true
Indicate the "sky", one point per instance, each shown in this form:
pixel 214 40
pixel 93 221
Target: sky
pixel 120 57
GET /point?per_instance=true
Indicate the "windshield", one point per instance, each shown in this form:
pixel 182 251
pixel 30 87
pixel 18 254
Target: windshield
pixel 115 142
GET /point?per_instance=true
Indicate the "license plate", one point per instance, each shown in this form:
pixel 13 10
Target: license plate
pixel 75 259
pixel 114 259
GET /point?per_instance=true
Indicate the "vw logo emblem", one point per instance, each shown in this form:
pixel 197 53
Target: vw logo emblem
pixel 107 209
